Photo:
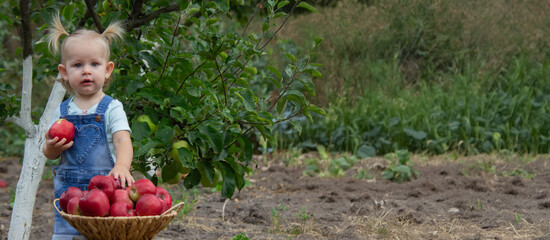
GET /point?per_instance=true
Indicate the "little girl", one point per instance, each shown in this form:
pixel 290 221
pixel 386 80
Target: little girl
pixel 102 144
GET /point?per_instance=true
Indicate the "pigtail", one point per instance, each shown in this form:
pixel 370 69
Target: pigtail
pixel 113 32
pixel 55 32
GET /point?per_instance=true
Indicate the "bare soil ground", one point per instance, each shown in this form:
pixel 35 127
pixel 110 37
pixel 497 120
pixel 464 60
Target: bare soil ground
pixel 480 197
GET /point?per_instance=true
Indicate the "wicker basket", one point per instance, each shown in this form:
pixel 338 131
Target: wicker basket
pixel 120 228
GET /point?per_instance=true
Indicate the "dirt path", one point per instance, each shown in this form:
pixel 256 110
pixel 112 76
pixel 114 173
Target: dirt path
pixel 458 199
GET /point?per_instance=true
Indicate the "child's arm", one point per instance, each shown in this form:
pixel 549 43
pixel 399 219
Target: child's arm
pixel 124 155
pixel 54 147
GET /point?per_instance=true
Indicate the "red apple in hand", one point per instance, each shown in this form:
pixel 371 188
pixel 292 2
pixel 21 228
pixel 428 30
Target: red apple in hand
pixel 62 129
pixel 95 204
pixel 70 193
pixel 121 209
pixel 149 205
pixel 72 206
pixel 164 197
pixel 142 187
pixel 104 183
pixel 121 195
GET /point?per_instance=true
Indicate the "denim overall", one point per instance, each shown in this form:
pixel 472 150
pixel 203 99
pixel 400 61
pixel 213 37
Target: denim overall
pixel 89 156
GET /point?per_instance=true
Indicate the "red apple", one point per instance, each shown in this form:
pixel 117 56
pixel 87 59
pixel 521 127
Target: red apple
pixel 3 184
pixel 72 206
pixel 104 183
pixel 121 209
pixel 149 205
pixel 116 182
pixel 94 204
pixel 141 187
pixel 121 195
pixel 164 197
pixel 70 193
pixel 62 129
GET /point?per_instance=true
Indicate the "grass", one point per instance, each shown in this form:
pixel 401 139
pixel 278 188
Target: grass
pixel 428 76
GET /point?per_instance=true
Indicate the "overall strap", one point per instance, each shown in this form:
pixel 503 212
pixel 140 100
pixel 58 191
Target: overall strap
pixel 103 104
pixel 64 107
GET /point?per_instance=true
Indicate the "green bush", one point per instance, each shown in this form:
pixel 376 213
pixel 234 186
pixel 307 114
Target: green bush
pixel 429 76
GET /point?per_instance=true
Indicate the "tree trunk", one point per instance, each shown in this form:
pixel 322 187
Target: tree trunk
pixel 33 159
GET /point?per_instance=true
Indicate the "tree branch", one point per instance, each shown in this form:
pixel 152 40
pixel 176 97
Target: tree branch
pixel 169 51
pixel 132 23
pixel 26 28
pixel 137 6
pixel 90 5
pixel 284 90
pixel 280 27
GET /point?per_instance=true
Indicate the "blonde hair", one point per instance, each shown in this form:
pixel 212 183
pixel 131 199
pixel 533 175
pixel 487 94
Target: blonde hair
pixel 56 31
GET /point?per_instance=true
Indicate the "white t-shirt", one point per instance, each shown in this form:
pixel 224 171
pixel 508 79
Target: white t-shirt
pixel 115 119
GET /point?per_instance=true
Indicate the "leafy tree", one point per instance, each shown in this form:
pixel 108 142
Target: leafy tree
pixel 189 66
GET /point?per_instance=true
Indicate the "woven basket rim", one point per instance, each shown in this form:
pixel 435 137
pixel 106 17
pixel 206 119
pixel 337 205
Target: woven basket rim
pixel 168 213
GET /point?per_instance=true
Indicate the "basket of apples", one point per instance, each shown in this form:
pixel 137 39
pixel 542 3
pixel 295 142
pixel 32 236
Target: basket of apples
pixel 108 211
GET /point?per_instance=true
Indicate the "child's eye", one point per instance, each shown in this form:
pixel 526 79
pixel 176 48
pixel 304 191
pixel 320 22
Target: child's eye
pixel 95 64
pixel 77 65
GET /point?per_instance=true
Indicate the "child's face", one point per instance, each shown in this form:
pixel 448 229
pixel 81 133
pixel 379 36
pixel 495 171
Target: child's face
pixel 85 66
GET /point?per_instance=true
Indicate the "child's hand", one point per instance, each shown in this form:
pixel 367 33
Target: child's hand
pixel 54 147
pixel 124 174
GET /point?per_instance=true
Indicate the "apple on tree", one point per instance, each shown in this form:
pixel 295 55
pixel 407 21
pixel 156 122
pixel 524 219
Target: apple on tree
pixel 149 205
pixel 141 187
pixel 67 195
pixel 62 129
pixel 174 154
pixel 3 184
pixel 146 119
pixel 95 203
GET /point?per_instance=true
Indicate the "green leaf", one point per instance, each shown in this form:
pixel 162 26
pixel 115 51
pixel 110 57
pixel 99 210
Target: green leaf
pixel 208 169
pixel 185 157
pixel 170 171
pixel 192 179
pixel 418 135
pixel 307 6
pixel 295 97
pixel 68 12
pixel 290 57
pixel 153 62
pixel 366 151
pixel 165 134
pixel 318 40
pixel 241 236
pixel 308 116
pixel 247 98
pixel 308 85
pixel 214 137
pixel 223 4
pixel 212 21
pixel 315 109
pixel 247 148
pixel 228 187
pixel 6 18
pixel 140 130
pixel 281 105
pixel 282 4
pixel 265 26
pixel 279 14
pixel 276 72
